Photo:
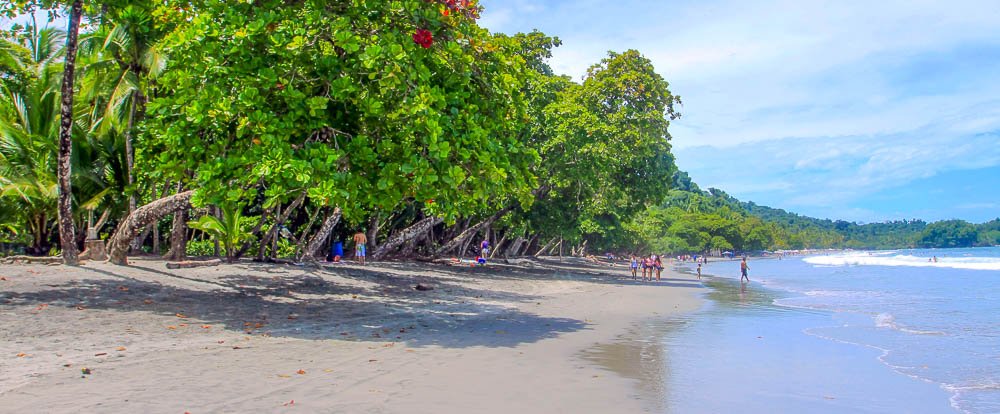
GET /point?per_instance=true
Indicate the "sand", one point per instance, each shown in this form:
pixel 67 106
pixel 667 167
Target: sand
pixel 249 337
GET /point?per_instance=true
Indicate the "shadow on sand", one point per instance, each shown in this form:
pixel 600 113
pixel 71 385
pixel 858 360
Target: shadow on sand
pixel 299 302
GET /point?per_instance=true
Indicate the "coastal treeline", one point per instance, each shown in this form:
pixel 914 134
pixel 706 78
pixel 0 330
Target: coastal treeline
pixel 272 128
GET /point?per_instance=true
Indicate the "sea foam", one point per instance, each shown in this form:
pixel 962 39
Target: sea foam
pixel 881 259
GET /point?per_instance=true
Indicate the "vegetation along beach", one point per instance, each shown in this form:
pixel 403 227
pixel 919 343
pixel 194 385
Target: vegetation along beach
pixel 480 206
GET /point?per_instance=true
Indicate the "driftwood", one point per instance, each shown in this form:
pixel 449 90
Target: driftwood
pixel 32 259
pixel 193 263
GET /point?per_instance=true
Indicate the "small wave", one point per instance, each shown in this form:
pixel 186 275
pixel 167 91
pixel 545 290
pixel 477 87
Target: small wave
pixel 886 320
pixel 986 385
pixel 864 259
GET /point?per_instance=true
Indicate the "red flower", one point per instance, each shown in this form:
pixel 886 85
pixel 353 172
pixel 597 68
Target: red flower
pixel 423 38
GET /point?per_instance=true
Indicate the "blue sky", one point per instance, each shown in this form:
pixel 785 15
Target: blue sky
pixel 862 111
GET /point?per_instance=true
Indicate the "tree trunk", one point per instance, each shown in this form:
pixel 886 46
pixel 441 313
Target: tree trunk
pixel 373 227
pixel 273 231
pixel 178 239
pixel 130 157
pixel 135 222
pixel 499 244
pixel 533 241
pixel 462 239
pixel 320 237
pixel 514 247
pixel 416 230
pixel 156 239
pixel 67 230
pixel 305 232
pixel 253 233
pixel 546 247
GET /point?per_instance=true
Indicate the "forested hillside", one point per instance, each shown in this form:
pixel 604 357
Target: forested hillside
pixel 693 220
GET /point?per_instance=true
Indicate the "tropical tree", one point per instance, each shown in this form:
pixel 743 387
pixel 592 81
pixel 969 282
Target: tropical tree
pixel 29 128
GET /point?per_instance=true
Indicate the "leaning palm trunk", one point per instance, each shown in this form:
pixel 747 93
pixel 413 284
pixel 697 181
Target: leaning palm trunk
pixel 324 231
pixel 142 217
pixel 417 230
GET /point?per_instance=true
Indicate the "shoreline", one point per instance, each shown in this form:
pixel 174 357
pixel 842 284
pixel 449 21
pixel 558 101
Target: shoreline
pixel 340 338
pixel 745 335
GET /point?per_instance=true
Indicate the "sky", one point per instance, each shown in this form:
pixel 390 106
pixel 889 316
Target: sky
pixel 852 110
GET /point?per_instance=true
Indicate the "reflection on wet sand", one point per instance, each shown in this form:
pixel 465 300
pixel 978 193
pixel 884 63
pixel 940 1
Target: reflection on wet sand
pixel 639 355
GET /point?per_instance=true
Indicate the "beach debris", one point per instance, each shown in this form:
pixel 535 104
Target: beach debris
pixel 182 325
pixel 79 307
pixel 328 370
pixel 85 371
pixel 21 354
pixel 372 360
pixel 206 327
pixel 422 287
pixel 222 342
pixel 121 348
pixel 292 402
pixel 148 301
pixel 180 315
pixel 171 327
pixel 42 307
pixel 301 372
pixel 122 288
pixel 101 354
pixel 284 376
pixel 192 264
pixel 3 278
pixel 293 316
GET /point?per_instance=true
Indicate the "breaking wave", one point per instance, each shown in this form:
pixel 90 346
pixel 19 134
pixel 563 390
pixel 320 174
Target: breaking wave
pixel 883 259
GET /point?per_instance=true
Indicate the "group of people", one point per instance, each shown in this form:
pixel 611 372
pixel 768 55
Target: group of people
pixel 649 265
pixel 360 249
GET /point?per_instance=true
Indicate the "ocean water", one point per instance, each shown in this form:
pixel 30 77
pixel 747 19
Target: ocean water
pixel 882 331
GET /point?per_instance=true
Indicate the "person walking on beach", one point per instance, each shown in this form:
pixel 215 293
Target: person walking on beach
pixel 360 240
pixel 647 266
pixel 658 265
pixel 743 269
pixel 635 266
pixel 699 270
pixel 484 248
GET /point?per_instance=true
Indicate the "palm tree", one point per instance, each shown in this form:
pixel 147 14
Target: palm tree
pixel 29 133
pixel 126 60
pixel 29 130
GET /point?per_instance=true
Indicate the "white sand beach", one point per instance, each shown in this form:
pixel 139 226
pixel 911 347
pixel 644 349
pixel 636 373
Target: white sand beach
pixel 250 337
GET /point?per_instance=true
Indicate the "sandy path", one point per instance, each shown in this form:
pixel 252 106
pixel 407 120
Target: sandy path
pixel 234 338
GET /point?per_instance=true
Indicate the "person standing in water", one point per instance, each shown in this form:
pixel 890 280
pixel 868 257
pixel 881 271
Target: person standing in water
pixel 743 269
pixel 360 240
pixel 699 270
